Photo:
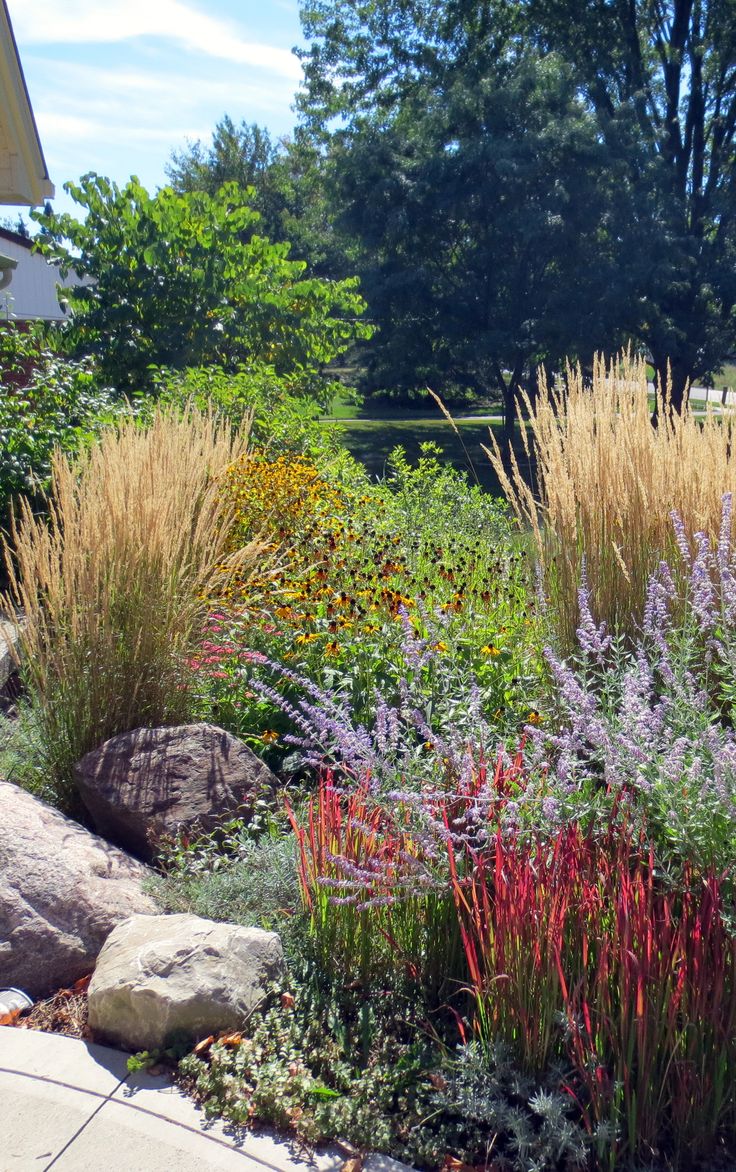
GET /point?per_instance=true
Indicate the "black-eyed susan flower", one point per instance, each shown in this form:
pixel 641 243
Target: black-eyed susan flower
pixel 269 735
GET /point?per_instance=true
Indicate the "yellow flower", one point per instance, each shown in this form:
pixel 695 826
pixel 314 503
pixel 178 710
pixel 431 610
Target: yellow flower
pixel 490 649
pixel 269 735
pixel 533 717
pixel 332 649
pixel 440 646
pixel 305 638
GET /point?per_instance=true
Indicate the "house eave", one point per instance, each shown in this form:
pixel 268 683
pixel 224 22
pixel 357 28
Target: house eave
pixel 24 178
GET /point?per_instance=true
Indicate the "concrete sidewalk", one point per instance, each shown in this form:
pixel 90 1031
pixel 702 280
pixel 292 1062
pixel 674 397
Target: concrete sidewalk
pixel 71 1106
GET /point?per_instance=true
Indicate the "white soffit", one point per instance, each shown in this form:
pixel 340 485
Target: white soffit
pixel 24 179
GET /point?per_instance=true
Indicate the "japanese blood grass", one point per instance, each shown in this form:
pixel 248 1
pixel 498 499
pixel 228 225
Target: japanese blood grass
pixel 376 912
pixel 569 948
pixel 113 584
pixel 608 482
pixel 583 931
pixel 374 871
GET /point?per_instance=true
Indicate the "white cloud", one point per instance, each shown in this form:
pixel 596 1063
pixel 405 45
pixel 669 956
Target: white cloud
pixel 109 21
pixel 80 102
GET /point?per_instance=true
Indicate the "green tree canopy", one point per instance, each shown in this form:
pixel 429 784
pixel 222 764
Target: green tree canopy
pixel 183 280
pixel 287 179
pixel 651 85
pixel 471 175
pixel 660 76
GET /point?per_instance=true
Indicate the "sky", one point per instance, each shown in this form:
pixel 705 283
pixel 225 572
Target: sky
pixel 116 85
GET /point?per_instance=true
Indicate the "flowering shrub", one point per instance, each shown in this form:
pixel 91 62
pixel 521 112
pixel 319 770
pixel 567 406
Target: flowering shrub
pixel 379 603
pixel 654 720
pixel 278 497
pixel 47 401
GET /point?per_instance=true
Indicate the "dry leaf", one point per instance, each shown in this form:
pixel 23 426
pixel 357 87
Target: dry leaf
pixel 438 1082
pixel 203 1046
pixel 231 1039
pixel 353 1165
pixel 287 1001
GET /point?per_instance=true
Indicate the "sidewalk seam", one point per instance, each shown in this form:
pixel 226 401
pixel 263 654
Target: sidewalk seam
pixel 104 1099
pixel 110 1098
pixel 223 1143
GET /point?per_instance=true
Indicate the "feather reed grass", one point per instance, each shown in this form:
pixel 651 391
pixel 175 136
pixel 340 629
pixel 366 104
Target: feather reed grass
pixel 608 482
pixel 113 584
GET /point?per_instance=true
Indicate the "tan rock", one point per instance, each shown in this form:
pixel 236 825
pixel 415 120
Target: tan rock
pixel 157 977
pixel 62 891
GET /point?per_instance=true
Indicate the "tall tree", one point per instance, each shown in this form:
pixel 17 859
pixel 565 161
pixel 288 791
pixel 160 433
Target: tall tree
pixel 470 172
pixel 286 179
pixel 660 76
pixel 242 154
pixel 657 80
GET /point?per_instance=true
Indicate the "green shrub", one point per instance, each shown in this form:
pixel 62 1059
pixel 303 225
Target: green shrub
pixel 283 410
pixel 47 402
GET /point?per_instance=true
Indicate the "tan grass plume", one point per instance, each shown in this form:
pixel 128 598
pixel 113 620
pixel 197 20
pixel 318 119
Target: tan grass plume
pixel 608 482
pixel 113 584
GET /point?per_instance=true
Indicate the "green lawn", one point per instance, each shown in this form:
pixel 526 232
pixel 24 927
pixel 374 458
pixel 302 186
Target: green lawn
pixel 342 408
pixel 726 376
pixel 371 442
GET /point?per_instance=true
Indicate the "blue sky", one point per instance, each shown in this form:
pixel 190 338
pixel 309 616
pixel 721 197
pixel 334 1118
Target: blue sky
pixel 116 85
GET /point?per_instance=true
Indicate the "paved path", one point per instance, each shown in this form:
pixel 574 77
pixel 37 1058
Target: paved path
pixel 713 396
pixel 71 1106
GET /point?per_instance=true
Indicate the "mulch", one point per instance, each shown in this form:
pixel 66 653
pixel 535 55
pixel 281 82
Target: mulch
pixel 65 1012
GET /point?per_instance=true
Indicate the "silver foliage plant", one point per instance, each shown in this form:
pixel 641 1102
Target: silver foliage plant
pixel 651 724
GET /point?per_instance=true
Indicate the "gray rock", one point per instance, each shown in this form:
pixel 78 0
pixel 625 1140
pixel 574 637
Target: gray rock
pixel 380 1163
pixel 167 975
pixel 154 781
pixel 62 891
pixel 9 651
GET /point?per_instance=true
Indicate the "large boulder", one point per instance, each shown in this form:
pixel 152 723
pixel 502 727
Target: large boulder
pixel 141 785
pixel 179 976
pixel 62 891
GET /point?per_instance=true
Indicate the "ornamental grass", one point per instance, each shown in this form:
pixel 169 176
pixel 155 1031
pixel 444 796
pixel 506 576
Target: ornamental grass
pixel 113 584
pixel 568 946
pixel 578 947
pixel 608 482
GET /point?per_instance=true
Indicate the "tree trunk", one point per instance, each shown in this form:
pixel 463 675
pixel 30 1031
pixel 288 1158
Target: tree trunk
pixel 672 376
pixel 509 402
pixel 509 414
